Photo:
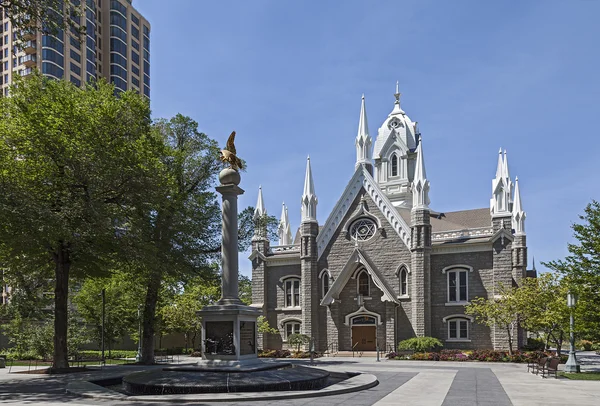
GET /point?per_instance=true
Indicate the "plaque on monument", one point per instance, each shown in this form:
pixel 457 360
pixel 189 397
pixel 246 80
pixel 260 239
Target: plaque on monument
pixel 219 338
pixel 247 337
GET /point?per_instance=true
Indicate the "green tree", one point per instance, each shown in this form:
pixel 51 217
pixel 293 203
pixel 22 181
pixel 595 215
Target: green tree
pixel 581 271
pixel 48 16
pixel 73 163
pixel 543 307
pixel 122 296
pixel 180 314
pixel 177 235
pixel 501 311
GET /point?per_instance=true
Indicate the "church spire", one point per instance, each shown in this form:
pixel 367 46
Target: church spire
pixel 420 184
pixel 518 215
pixel 284 230
pixel 260 224
pixel 501 188
pixel 363 139
pixel 260 210
pixel 309 198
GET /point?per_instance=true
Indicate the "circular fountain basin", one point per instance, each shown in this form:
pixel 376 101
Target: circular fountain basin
pixel 188 381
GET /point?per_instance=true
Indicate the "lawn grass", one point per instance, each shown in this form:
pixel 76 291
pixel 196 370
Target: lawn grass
pixel 581 376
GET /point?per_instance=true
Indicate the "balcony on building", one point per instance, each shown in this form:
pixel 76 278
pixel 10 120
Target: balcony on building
pixel 27 34
pixel 28 60
pixel 30 47
pixel 26 72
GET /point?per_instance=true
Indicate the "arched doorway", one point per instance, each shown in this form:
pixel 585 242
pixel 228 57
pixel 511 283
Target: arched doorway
pixel 364 333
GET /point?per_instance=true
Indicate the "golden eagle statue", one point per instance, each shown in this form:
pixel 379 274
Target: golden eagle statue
pixel 228 154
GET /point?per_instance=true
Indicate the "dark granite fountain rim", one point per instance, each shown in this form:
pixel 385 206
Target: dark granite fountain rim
pixel 234 368
pixel 182 381
pixel 356 381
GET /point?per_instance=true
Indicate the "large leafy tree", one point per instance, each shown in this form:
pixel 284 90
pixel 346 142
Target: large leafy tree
pixel 581 271
pixel 177 236
pixel 543 307
pixel 501 311
pixel 73 164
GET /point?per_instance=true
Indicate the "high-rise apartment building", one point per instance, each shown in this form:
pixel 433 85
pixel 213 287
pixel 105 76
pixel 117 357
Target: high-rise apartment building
pixel 115 46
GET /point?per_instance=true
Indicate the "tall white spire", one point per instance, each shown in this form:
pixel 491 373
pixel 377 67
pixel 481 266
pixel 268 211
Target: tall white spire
pixel 420 184
pixel 363 139
pixel 506 175
pixel 501 188
pixel 260 210
pixel 309 198
pixel 518 215
pixel 284 230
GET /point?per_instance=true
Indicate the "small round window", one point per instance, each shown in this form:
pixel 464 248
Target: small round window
pixel 363 229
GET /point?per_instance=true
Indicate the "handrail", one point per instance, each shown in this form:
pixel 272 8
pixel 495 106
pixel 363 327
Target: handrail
pixel 354 346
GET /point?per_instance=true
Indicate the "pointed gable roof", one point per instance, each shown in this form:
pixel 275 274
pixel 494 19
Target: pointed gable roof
pixel 356 259
pixel 361 179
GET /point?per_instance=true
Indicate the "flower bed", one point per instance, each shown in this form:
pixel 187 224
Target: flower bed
pixel 475 355
pixel 285 354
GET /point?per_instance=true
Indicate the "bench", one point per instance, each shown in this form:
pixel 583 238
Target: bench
pixel 535 366
pixel 162 356
pixel 551 368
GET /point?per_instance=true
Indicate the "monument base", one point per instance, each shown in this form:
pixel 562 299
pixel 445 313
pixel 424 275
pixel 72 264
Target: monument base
pixel 229 333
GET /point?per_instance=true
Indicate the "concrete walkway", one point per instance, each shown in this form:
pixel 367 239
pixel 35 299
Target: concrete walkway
pixel 400 383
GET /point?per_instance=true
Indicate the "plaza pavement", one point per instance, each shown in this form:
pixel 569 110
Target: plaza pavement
pixel 400 383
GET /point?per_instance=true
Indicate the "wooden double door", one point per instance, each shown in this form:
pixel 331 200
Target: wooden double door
pixel 363 338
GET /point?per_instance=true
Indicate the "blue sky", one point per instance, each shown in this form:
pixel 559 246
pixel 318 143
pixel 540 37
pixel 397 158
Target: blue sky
pixel 476 75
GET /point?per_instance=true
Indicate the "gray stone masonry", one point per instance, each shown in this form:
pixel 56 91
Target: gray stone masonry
pixel 502 265
pixel 259 282
pixel 387 252
pixel 309 295
pixel 275 302
pixel 480 281
pixel 421 288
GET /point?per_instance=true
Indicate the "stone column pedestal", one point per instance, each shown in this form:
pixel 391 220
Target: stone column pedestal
pixel 229 329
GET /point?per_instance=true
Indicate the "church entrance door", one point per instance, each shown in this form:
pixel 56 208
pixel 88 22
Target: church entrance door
pixel 364 333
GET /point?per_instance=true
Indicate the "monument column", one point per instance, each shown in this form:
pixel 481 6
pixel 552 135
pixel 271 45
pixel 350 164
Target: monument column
pixel 229 247
pixel 229 327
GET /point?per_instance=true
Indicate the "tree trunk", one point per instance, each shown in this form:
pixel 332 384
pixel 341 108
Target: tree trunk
pixel 559 342
pixel 510 341
pixel 149 314
pixel 61 312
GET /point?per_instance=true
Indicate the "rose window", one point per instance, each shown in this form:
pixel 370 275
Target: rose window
pixel 363 229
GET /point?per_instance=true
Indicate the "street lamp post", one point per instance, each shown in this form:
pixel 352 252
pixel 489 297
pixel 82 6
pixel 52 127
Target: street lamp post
pixel 103 321
pixel 138 356
pixel 572 365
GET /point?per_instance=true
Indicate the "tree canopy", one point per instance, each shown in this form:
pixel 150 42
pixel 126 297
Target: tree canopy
pixel 581 271
pixel 74 164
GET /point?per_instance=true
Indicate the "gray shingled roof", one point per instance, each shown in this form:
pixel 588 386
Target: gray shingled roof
pixel 455 220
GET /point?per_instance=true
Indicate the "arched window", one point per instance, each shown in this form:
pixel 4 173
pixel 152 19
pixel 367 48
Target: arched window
pixel 362 283
pixel 403 282
pixel 324 284
pixel 290 327
pixel 394 162
pixel 292 292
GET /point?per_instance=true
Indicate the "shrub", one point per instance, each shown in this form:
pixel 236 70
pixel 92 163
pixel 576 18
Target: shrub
pixel 196 354
pixel 274 354
pixel 584 345
pixel 535 344
pixel 297 340
pixel 420 344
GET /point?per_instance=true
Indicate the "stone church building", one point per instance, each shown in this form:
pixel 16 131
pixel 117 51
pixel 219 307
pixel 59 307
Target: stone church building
pixel 385 266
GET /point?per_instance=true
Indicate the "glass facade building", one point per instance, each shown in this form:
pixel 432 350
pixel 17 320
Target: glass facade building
pixel 114 46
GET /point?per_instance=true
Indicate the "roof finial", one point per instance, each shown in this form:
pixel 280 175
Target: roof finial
pixel 309 198
pixel 397 94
